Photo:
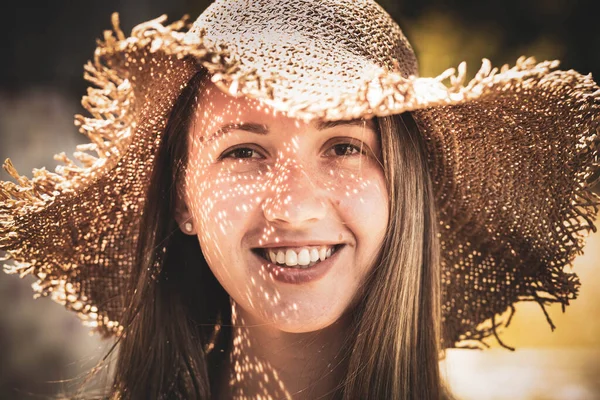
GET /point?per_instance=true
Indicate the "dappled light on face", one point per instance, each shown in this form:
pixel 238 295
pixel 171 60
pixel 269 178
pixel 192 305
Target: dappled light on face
pixel 289 213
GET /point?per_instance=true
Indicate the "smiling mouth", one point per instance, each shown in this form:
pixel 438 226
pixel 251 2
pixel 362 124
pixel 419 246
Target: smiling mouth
pixel 301 258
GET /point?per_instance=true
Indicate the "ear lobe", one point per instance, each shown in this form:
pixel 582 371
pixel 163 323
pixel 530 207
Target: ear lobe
pixel 182 215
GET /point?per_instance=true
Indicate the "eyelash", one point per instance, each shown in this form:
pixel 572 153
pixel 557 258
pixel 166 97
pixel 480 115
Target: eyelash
pixel 227 154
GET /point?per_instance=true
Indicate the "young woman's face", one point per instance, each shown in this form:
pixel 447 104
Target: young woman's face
pixel 290 215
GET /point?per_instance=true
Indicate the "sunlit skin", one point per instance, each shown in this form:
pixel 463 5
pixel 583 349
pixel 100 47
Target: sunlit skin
pixel 269 181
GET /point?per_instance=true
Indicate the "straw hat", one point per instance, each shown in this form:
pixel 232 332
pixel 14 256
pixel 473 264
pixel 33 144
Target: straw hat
pixel 513 153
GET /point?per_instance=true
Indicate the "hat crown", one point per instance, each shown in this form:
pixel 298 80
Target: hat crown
pixel 359 27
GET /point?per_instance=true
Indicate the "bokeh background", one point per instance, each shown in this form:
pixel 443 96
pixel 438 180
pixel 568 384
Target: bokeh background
pixel 44 350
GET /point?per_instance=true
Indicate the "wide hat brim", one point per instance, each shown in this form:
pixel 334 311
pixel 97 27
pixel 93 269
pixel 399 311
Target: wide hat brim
pixel 513 154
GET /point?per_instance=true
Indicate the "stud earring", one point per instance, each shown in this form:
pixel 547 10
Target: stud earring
pixel 188 227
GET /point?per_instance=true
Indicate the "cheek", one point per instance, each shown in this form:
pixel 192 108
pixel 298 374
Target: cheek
pixel 362 201
pixel 363 206
pixel 221 206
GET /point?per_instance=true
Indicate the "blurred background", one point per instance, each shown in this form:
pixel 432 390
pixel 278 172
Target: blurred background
pixel 44 349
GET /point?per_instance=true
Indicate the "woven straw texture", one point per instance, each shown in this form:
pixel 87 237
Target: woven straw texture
pixel 513 153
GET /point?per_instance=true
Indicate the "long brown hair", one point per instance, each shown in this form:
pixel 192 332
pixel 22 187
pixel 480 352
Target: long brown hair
pixel 176 302
pixel 396 350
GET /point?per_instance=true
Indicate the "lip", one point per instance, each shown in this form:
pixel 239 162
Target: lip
pixel 299 275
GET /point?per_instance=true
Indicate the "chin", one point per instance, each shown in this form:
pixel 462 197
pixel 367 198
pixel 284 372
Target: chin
pixel 300 323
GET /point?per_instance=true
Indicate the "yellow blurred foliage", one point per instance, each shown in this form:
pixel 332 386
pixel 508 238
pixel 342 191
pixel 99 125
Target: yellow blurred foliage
pixel 441 40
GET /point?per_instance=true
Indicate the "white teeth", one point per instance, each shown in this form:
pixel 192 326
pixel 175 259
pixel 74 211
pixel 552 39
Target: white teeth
pixel 322 253
pixel 280 257
pixel 291 258
pixel 303 257
pixel 314 255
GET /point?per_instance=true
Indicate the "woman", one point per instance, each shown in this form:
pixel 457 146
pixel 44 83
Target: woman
pixel 258 210
pixel 280 208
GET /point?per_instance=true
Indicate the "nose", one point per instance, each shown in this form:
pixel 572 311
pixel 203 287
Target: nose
pixel 294 197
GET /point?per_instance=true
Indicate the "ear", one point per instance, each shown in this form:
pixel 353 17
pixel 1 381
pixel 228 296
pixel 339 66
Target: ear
pixel 183 216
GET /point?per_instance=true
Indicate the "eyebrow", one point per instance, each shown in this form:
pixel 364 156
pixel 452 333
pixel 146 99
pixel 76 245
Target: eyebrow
pixel 262 129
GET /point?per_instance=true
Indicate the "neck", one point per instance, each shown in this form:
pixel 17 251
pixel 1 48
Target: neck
pixel 267 362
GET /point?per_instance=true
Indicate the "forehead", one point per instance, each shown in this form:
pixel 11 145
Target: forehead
pixel 217 109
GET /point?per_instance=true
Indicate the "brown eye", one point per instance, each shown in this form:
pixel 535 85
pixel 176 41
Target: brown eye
pixel 241 153
pixel 343 150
